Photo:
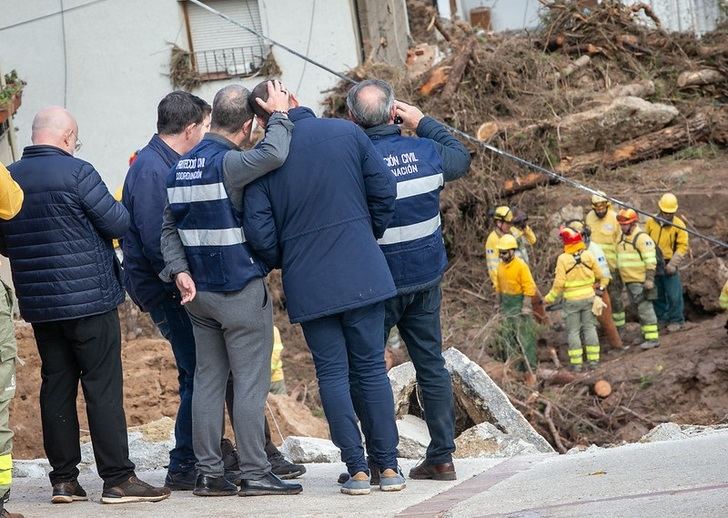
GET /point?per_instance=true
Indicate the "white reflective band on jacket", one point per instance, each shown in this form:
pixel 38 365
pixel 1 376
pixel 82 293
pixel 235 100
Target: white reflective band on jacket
pixel 410 232
pixel 417 186
pixel 211 237
pixel 195 193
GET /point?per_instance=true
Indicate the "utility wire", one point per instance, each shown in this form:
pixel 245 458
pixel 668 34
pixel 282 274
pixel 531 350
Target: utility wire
pixel 31 20
pixel 552 174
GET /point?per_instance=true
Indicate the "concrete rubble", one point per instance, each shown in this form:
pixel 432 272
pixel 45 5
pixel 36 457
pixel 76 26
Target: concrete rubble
pixel 413 437
pixel 310 449
pixel 485 440
pixel 676 432
pixel 478 400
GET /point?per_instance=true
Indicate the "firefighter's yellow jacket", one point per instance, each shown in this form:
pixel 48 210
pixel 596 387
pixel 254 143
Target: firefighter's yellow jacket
pixel 576 273
pixel 636 255
pixel 514 278
pixel 11 195
pixel 606 233
pixel 724 297
pixel 671 239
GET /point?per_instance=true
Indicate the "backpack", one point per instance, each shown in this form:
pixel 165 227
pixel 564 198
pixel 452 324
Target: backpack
pixel 660 270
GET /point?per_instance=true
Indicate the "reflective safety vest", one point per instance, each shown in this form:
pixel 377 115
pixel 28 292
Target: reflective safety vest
pixel 605 232
pixel 723 301
pixel 576 273
pixel 598 253
pixel 527 235
pixel 209 226
pixel 276 360
pixel 413 243
pixel 635 255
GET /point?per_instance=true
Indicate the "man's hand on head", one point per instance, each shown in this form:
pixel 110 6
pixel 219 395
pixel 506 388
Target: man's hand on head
pixel 410 115
pixel 278 98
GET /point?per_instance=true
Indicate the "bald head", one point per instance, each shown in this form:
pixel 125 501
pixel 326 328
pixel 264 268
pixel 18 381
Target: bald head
pixel 55 126
pixel 370 102
pixel 230 109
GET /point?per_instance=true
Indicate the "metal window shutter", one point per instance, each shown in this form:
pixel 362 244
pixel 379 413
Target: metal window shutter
pixel 210 32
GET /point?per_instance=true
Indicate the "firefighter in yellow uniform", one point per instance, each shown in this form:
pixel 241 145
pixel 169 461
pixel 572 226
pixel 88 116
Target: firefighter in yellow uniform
pixel 672 241
pixel 503 219
pixel 605 231
pixel 723 300
pixel 277 381
pixel 517 333
pixel 577 271
pixel 11 201
pixel 637 262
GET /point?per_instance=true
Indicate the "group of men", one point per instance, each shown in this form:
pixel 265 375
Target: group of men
pixel 603 255
pixel 349 210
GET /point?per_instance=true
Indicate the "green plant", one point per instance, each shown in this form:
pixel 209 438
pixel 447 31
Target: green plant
pixel 13 86
pixel 645 381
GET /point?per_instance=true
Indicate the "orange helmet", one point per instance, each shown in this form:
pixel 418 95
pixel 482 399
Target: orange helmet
pixel 627 216
pixel 569 236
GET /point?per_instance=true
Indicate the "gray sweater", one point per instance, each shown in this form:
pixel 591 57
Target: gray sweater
pixel 239 169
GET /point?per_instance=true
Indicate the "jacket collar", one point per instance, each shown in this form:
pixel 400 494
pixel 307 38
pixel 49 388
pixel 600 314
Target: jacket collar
pixel 302 112
pixel 383 130
pixel 214 137
pixel 43 150
pixel 169 155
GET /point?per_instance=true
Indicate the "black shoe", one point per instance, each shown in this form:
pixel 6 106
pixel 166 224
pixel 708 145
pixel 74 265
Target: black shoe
pixel 67 492
pixel 231 462
pixel 373 473
pixel 270 484
pixel 181 480
pixel 134 490
pixel 283 469
pixel 208 485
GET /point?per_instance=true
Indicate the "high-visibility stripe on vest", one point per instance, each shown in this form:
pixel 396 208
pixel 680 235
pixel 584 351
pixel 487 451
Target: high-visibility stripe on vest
pixel 576 356
pixel 592 353
pixel 413 244
pixel 6 470
pixel 208 224
pixel 635 255
pixel 575 278
pixel 723 300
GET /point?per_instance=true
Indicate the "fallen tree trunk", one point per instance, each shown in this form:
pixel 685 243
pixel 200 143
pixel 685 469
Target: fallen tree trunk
pixel 641 148
pixel 458 68
pixel 525 183
pixel 706 76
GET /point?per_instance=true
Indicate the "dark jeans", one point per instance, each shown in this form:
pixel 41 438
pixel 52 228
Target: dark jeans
pixel 86 349
pixel 417 317
pixel 669 304
pixel 348 346
pixel 174 324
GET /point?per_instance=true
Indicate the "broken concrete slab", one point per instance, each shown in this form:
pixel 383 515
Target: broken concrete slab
pixel 664 432
pixel 310 449
pixel 413 437
pixel 35 468
pixel 149 445
pixel 477 398
pixel 622 119
pixel 485 440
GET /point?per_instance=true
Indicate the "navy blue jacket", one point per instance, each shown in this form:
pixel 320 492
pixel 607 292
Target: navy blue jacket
pixel 59 245
pixel 413 243
pixel 318 216
pixel 144 196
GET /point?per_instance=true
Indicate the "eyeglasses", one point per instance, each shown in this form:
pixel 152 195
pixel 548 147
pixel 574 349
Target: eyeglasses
pixel 78 144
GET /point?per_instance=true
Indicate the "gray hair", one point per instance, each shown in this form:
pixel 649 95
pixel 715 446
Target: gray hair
pixel 230 109
pixel 370 102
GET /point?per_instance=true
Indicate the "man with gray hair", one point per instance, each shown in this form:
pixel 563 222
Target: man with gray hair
pixel 415 251
pixel 221 283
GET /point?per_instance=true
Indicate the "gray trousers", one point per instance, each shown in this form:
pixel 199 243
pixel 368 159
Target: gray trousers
pixel 233 333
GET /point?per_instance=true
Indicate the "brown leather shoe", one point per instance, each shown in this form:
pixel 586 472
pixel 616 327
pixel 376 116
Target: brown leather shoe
pixel 67 492
pixel 4 513
pixel 426 471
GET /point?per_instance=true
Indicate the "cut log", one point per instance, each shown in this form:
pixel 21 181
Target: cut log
pixel 524 183
pixel 458 68
pixel 602 388
pixel 706 76
pixel 573 67
pixel 647 146
pixel 639 89
pixel 436 79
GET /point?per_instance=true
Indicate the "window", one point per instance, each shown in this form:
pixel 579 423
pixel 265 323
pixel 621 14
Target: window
pixel 220 49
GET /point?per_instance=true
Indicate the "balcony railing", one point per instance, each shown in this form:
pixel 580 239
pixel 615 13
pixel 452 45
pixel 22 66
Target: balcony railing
pixel 232 62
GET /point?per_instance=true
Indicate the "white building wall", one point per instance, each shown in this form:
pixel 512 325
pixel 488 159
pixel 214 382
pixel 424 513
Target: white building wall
pixel 117 63
pixel 506 15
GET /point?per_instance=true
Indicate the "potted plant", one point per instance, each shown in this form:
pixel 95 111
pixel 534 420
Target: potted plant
pixel 10 95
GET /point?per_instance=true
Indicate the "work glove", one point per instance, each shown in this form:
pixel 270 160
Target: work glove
pixel 674 263
pixel 649 284
pixel 598 306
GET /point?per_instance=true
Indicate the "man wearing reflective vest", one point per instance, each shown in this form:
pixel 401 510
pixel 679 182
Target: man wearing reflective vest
pixel 415 251
pixel 637 262
pixel 672 240
pixel 577 271
pixel 605 231
pixel 221 283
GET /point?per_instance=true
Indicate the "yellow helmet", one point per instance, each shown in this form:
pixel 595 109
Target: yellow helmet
pixel 598 198
pixel 507 242
pixel 503 213
pixel 668 203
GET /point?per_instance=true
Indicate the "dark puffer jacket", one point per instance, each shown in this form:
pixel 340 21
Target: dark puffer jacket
pixel 59 245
